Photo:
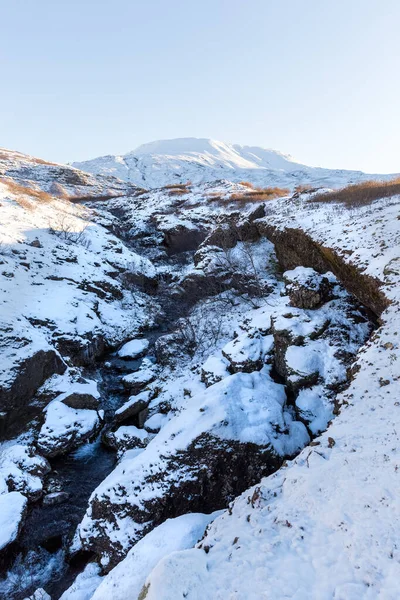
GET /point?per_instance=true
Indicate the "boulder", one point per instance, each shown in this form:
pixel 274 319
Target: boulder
pixel 20 383
pixel 81 351
pixel 308 289
pixel 12 514
pixel 138 380
pixel 248 352
pixel 126 438
pixel 55 498
pixel 132 407
pixel 23 470
pixel 66 428
pixel 80 400
pixel 133 349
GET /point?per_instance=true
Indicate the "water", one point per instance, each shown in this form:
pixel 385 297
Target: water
pixel 41 555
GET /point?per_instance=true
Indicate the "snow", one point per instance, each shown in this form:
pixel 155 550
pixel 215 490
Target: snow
pixel 126 579
pixel 64 426
pixel 326 525
pixel 12 509
pixel 144 396
pixel 85 584
pixel 21 466
pixel 133 349
pixel 164 162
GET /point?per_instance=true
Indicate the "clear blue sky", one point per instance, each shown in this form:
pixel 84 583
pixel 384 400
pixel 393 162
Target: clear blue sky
pixel 318 79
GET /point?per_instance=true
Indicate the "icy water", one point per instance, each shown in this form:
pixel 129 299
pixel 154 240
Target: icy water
pixel 41 557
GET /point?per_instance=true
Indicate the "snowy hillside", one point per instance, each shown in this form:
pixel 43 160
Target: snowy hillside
pixel 165 162
pixel 199 383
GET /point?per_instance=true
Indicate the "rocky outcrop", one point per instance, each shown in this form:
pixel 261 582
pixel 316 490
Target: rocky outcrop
pixel 23 380
pixel 308 289
pixel 204 477
pixel 182 238
pixel 296 248
pixel 81 351
pixel 66 428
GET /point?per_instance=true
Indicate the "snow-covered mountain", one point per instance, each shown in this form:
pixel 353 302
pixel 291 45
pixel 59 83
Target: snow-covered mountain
pixel 202 160
pixel 198 389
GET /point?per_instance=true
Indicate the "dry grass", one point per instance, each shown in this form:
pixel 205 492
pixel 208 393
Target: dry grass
pixel 26 197
pixel 360 194
pixel 301 188
pixel 260 194
pixel 247 184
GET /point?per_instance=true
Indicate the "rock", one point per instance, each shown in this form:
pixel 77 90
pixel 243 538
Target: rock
pixel 138 380
pixel 36 243
pixel 214 369
pixel 142 417
pixel 133 349
pixel 55 498
pixel 168 348
pixel 80 400
pixel 226 438
pixel 133 407
pixel 22 470
pixel 126 438
pixel 82 351
pixel 248 352
pixel 23 380
pixel 155 422
pixel 224 236
pixel 66 428
pixel 12 514
pixel 308 289
pixel 182 237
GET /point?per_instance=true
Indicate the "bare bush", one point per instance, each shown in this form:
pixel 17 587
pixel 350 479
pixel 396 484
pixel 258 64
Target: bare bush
pixel 360 194
pixel 201 330
pixel 67 232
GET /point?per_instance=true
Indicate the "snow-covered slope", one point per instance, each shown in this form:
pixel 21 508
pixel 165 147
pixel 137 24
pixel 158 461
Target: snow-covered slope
pixel 202 160
pixel 62 181
pixel 326 526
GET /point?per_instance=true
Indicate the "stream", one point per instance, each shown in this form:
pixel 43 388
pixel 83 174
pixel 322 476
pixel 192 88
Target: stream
pixel 41 557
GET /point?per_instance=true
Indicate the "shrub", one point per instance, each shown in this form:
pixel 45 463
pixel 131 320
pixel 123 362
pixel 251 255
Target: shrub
pixel 360 194
pixel 66 232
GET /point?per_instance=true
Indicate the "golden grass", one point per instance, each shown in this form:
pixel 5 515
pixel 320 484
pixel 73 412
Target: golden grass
pixel 247 184
pixel 25 195
pixel 260 194
pixel 360 194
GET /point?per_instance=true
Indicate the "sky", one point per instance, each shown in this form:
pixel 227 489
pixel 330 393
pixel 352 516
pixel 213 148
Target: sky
pixel 317 79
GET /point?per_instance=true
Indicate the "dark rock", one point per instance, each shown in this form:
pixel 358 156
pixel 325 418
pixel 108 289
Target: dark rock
pixel 132 408
pixel 204 477
pixel 310 291
pixel 181 238
pixel 82 351
pixel 25 379
pixel 81 400
pixel 295 248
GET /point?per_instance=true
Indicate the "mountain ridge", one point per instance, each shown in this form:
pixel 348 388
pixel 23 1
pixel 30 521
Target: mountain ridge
pixel 201 160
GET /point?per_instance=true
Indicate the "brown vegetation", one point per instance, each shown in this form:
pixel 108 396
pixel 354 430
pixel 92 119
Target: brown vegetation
pixel 246 184
pixel 360 194
pixel 25 195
